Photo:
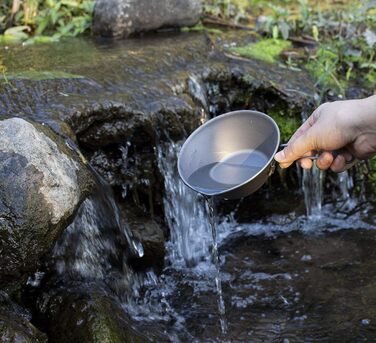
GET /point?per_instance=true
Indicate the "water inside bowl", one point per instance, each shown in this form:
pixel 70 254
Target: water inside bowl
pixel 232 170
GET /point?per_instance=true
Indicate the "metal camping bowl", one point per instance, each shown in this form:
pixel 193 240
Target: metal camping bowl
pixel 225 136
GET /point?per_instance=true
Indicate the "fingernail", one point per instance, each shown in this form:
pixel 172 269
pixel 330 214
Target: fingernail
pixel 280 156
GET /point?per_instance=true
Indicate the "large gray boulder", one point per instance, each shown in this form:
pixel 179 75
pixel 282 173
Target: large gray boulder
pixel 42 183
pixel 121 18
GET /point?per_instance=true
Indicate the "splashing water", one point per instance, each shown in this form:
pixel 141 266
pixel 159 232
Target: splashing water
pixel 185 213
pixel 89 248
pixel 199 93
pixel 312 185
pixel 210 204
pixel 346 183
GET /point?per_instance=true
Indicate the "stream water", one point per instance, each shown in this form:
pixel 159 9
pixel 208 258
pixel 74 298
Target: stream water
pixel 284 278
pixel 279 278
pixel 212 217
pixel 300 269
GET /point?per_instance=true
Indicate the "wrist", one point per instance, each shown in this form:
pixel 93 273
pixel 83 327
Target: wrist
pixel 363 116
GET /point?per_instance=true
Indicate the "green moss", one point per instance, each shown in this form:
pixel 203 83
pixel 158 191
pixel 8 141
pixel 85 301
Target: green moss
pixel 287 124
pixel 200 28
pixel 41 75
pixel 266 50
pixel 372 164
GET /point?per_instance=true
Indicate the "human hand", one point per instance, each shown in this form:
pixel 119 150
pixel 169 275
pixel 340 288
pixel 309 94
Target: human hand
pixel 348 126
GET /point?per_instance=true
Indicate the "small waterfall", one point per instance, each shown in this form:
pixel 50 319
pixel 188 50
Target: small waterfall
pixel 98 243
pixel 312 184
pixel 198 92
pixel 345 184
pixel 193 226
pixel 185 212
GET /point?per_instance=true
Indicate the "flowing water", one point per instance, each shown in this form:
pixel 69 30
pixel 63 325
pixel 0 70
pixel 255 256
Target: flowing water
pixel 185 213
pixel 89 247
pixel 285 276
pixel 279 279
pixel 210 203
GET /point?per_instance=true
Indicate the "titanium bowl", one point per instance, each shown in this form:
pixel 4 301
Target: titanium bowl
pixel 225 135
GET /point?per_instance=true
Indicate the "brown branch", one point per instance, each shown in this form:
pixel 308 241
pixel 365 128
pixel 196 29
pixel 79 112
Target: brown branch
pixel 15 8
pixel 220 22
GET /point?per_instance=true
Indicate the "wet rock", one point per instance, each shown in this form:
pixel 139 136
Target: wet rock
pixel 86 315
pixel 42 183
pixel 127 101
pixel 15 323
pixel 120 18
pixel 150 234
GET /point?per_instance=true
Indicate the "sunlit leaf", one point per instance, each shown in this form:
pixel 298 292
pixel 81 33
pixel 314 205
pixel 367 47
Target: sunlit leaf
pixel 370 37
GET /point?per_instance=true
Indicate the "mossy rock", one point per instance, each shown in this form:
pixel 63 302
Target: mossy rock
pixel 85 315
pixel 287 123
pixel 266 50
pixel 15 325
pixel 36 75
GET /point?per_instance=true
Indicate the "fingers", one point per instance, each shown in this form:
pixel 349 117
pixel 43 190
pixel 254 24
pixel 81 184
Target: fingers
pixel 325 160
pixel 296 149
pixel 302 141
pixel 339 164
pixel 307 163
pixel 342 162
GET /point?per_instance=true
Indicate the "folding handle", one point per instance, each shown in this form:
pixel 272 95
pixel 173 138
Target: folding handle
pixel 335 153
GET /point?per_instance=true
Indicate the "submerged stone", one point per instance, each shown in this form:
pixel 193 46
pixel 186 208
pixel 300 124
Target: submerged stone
pixel 15 323
pixel 150 234
pixel 42 183
pixel 86 315
pixel 120 18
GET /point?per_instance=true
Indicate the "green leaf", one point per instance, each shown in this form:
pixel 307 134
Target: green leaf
pixel 315 32
pixel 42 25
pixel 285 29
pixel 275 33
pixel 17 30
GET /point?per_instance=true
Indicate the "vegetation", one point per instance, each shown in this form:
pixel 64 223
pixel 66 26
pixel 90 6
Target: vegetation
pixel 267 50
pixel 336 41
pixel 43 20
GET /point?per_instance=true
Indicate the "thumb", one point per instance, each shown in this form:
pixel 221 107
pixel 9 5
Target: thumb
pixel 296 149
